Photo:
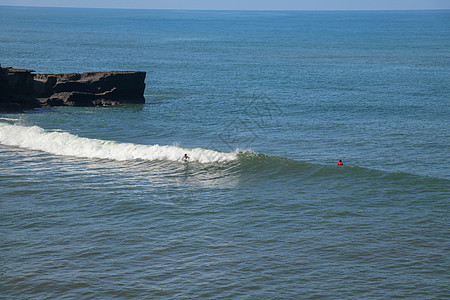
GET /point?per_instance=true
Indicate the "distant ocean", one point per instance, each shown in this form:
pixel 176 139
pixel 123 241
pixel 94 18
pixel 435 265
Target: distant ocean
pixel 95 203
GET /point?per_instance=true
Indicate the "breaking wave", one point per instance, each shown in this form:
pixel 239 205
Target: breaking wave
pixel 66 144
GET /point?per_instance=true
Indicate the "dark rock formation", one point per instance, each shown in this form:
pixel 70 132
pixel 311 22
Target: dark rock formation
pixel 17 90
pixel 22 90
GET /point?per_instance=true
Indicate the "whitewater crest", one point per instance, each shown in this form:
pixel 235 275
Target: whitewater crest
pixel 66 144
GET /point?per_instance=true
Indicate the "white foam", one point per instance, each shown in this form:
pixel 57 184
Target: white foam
pixel 63 143
pixel 9 119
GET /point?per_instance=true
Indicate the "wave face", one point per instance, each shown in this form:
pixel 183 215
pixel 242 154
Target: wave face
pixel 66 144
pixel 292 172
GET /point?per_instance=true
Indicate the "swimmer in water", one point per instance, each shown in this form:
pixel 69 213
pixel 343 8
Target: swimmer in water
pixel 340 163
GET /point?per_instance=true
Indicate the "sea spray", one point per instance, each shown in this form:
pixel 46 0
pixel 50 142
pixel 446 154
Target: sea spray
pixel 66 144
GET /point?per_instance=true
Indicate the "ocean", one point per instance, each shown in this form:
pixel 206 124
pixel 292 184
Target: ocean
pixel 96 203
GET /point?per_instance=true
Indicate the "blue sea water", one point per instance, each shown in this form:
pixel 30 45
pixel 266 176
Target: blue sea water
pixel 96 202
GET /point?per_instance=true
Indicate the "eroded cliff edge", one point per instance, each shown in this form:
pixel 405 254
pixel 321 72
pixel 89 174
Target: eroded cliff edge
pixel 21 89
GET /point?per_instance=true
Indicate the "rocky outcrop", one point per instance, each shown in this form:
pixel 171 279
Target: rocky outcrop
pixel 17 90
pixel 20 89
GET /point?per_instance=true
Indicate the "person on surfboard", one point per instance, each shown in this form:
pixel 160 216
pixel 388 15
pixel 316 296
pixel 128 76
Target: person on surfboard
pixel 185 157
pixel 340 163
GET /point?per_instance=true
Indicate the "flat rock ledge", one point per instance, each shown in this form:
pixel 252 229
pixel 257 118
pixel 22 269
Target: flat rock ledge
pixel 21 89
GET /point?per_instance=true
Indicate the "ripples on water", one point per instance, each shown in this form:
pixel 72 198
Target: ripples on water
pixel 158 228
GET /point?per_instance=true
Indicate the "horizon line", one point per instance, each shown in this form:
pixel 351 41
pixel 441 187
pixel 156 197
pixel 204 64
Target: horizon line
pixel 230 9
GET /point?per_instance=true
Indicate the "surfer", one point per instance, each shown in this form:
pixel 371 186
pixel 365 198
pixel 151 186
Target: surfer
pixel 186 157
pixel 340 163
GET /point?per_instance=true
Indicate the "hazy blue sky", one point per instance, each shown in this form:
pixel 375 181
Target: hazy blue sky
pixel 241 4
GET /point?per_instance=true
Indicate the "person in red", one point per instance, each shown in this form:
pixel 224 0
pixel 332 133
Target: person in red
pixel 340 163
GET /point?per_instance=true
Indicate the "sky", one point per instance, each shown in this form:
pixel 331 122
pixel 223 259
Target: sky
pixel 242 4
